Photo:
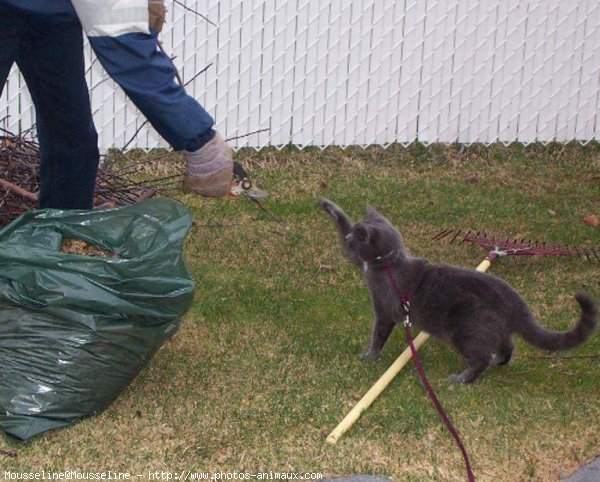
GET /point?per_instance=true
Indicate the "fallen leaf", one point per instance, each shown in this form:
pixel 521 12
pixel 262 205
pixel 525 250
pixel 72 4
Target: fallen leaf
pixel 325 268
pixel 591 220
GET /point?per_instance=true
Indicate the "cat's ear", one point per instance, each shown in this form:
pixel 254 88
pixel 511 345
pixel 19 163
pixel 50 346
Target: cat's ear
pixel 366 234
pixel 361 233
pixel 373 214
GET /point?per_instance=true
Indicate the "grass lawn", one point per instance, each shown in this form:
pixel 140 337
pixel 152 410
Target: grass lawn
pixel 266 362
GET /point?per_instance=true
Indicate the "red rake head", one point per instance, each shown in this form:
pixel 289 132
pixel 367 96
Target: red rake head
pixel 516 247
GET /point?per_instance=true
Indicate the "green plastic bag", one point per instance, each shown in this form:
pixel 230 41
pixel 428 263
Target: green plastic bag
pixel 75 330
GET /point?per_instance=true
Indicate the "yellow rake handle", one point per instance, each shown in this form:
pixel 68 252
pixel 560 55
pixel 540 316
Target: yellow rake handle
pixel 380 385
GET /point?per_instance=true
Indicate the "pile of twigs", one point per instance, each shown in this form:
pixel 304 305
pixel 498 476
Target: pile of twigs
pixel 116 185
pixel 19 164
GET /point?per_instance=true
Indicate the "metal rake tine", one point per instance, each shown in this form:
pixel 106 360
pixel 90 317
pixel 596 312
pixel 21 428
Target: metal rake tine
pixel 446 232
pixel 441 234
pixel 591 254
pixel 451 232
pixel 456 235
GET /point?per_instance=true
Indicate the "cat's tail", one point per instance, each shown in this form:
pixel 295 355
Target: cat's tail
pixel 538 336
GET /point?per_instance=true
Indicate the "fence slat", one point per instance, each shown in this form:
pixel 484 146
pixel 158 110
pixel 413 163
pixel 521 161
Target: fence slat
pixel 323 72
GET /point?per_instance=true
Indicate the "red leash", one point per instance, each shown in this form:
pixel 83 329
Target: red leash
pixel 405 300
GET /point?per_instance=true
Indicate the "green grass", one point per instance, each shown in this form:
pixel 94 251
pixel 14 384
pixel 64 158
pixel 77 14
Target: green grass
pixel 266 361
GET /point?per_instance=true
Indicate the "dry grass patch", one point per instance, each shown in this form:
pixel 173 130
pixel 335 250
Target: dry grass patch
pixel 266 362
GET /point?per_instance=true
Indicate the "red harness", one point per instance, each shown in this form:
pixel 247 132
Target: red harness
pixel 405 300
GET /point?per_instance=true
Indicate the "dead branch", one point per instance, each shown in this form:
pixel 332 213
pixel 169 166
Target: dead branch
pixel 9 186
pixel 194 12
pixel 8 453
pixel 116 184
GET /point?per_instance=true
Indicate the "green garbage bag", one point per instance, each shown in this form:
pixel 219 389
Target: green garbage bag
pixel 76 329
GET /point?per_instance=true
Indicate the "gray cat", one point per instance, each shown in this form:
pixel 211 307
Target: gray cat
pixel 474 312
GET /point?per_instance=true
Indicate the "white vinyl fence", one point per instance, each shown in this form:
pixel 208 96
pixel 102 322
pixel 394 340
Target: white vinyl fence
pixel 321 72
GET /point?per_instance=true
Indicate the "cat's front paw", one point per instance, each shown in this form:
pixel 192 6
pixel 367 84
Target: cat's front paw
pixel 368 356
pixel 329 207
pixel 457 378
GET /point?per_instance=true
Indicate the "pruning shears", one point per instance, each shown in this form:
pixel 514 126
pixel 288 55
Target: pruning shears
pixel 242 184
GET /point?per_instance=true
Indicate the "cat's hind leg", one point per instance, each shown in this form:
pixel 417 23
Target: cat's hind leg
pixel 504 353
pixel 478 359
pixel 473 371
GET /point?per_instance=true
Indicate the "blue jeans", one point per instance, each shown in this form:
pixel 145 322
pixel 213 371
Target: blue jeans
pixel 148 77
pixel 44 38
pixel 47 47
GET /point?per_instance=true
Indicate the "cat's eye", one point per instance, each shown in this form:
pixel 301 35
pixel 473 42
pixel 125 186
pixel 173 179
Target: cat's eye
pixel 361 233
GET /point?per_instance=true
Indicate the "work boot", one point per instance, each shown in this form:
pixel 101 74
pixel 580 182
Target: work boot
pixel 209 170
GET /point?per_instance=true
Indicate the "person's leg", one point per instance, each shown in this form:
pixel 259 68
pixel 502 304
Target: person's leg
pixel 50 58
pixel 11 29
pixel 147 76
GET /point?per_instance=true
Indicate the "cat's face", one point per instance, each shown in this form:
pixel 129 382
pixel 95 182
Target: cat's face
pixel 375 240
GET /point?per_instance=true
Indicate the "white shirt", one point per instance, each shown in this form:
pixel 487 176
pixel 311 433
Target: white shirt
pixel 111 18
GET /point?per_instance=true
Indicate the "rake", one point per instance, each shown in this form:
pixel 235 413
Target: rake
pixel 496 247
pixel 501 246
